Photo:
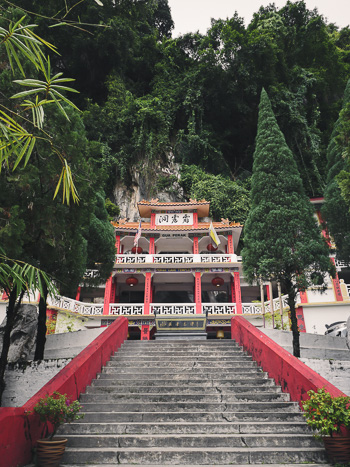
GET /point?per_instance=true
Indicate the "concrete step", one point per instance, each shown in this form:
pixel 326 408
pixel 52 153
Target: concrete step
pixel 148 398
pixel 125 359
pixel 212 456
pixel 181 417
pixel 186 427
pixel 199 465
pixel 190 406
pixel 204 372
pixel 239 380
pixel 180 365
pixel 180 389
pixel 193 440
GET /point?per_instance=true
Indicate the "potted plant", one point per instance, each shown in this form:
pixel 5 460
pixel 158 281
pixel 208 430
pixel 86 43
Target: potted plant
pixel 330 418
pixel 54 411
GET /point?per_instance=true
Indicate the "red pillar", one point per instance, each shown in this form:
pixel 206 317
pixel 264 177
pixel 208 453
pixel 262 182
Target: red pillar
pixel 230 249
pixel 108 292
pixel 198 292
pixel 151 246
pixel 232 288
pixel 145 331
pixel 195 246
pixel 153 220
pixel 117 244
pixel 238 297
pixel 77 297
pixel 336 285
pixel 268 296
pixel 195 220
pixel 300 319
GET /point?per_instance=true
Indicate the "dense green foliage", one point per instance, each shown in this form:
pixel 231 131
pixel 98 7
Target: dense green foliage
pixel 282 241
pixel 145 94
pixel 336 208
pixel 228 199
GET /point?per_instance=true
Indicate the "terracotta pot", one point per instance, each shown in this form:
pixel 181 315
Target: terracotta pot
pixel 49 453
pixel 337 449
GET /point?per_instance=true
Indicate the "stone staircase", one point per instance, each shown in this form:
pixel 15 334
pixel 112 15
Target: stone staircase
pixel 187 403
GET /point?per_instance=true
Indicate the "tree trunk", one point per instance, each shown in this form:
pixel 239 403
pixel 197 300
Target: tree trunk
pixel 295 331
pixel 11 312
pixel 41 333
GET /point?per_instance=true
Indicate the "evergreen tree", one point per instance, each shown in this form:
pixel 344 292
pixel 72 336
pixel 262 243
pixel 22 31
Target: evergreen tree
pixel 282 240
pixel 336 210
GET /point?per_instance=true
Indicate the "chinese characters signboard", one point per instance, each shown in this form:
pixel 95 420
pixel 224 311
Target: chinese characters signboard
pixel 174 219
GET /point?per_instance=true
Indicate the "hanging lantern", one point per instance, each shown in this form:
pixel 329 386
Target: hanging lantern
pixel 131 281
pixel 136 249
pixel 211 247
pixel 220 334
pixel 218 281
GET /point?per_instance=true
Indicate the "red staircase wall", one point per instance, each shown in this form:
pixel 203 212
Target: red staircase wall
pixel 19 430
pixel 287 371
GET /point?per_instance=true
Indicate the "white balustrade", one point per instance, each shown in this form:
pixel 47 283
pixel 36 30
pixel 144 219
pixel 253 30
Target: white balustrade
pixel 251 308
pixel 173 308
pixel 91 273
pixel 75 306
pixel 126 309
pixel 133 259
pixel 218 258
pixel 176 258
pixel 219 308
pixel 173 259
pixel 341 264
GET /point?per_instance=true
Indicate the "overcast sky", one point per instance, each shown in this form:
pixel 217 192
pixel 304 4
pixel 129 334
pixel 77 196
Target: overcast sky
pixel 193 15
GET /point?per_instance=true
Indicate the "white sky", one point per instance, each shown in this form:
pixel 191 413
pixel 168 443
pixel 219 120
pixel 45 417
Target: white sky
pixel 193 15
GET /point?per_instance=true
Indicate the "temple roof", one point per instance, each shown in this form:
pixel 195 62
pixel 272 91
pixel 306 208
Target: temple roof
pixel 132 227
pixel 146 207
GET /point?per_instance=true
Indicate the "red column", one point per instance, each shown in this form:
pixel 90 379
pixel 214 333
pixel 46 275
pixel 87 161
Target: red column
pixel 195 246
pixel 238 296
pixel 145 331
pixel 4 296
pixel 300 319
pixel 117 244
pixel 151 246
pixel 230 249
pixel 195 220
pixel 232 288
pixel 77 297
pixel 153 220
pixel 303 296
pixel 268 296
pixel 336 285
pixel 148 292
pixel 107 299
pixel 198 292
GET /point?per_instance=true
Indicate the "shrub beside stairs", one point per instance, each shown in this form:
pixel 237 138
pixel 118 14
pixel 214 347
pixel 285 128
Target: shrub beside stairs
pixel 188 403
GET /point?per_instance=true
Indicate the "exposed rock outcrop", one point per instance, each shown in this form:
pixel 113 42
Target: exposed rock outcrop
pixel 23 333
pixel 160 181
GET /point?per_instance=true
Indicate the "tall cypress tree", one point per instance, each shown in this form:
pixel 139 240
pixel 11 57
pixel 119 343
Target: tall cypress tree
pixel 335 209
pixel 281 239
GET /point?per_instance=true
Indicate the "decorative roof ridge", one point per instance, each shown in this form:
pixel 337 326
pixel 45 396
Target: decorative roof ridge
pixel 171 203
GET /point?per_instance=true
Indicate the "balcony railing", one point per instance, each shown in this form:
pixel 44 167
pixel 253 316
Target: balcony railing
pixel 137 309
pixel 176 259
pixel 75 306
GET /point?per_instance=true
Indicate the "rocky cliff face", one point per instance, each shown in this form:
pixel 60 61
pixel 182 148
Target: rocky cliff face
pixel 157 180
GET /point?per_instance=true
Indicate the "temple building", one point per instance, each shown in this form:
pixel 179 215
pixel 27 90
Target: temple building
pixel 176 262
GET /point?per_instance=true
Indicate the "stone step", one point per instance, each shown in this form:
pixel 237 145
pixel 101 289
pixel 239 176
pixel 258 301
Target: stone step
pixel 239 380
pixel 212 456
pixel 137 398
pixel 198 465
pixel 190 365
pixel 184 342
pixel 191 406
pixel 105 416
pixel 193 440
pixel 218 427
pixel 132 358
pixel 252 374
pixel 180 389
pixel 156 372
